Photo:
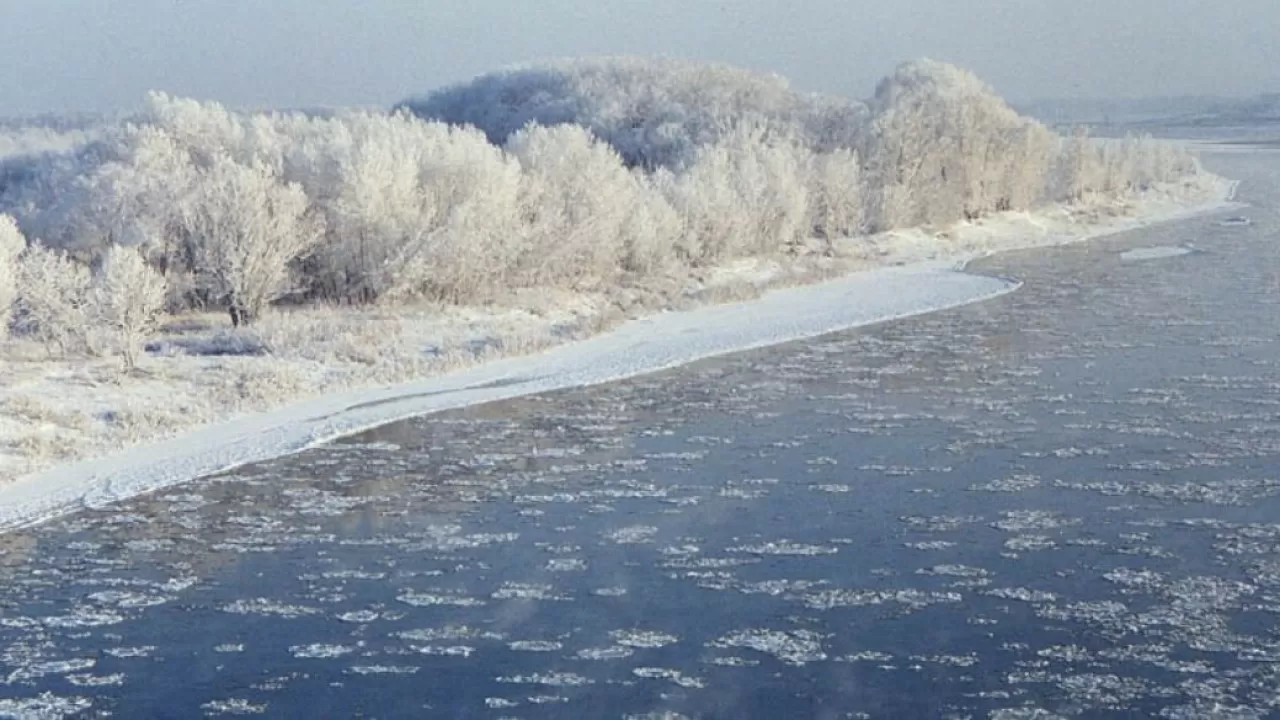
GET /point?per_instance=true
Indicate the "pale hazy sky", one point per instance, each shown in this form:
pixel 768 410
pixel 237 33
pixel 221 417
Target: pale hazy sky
pixel 96 55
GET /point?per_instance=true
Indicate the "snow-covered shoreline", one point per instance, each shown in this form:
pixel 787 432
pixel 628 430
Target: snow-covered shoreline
pixel 910 273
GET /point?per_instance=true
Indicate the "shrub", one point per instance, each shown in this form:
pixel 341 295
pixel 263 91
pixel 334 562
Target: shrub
pixel 745 195
pixel 55 303
pixel 129 300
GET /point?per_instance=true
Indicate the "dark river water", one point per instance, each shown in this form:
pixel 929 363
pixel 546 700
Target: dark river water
pixel 1060 503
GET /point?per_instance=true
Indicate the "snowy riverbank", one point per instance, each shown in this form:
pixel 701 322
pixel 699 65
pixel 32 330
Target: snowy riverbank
pixel 76 433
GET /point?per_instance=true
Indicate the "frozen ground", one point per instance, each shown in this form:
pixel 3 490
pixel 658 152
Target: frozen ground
pixel 79 433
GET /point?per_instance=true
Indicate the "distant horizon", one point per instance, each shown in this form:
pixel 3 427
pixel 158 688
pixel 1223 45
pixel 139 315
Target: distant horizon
pixel 1016 102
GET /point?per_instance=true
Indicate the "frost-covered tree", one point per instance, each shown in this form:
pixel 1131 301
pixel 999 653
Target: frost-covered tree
pixel 11 246
pixel 837 196
pixel 575 201
pixel 248 227
pixel 941 146
pixel 654 112
pixel 744 195
pixel 129 300
pixel 205 131
pixel 1027 170
pixel 652 229
pixel 1079 171
pixel 55 301
pixel 420 210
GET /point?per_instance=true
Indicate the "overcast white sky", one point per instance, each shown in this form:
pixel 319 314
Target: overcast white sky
pixel 95 55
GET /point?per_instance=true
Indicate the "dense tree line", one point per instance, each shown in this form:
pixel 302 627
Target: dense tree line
pixel 581 175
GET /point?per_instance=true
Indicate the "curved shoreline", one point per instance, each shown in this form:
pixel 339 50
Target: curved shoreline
pixel 639 347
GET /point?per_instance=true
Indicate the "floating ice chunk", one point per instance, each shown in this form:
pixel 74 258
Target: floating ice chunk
pixel 733 661
pixel 964 571
pixel 914 599
pixel 46 705
pixel 430 599
pixel 674 676
pixel 616 652
pixel 266 606
pixel 383 669
pixel 1022 594
pixel 566 565
pixel 1020 520
pixel 643 638
pixel 125 599
pixel 526 591
pixel 358 616
pixel 535 645
pixel 464 651
pixel 798 647
pixel 321 650
pixel 930 545
pixel 87 680
pixel 448 632
pixel 1155 253
pixel 633 535
pixel 235 706
pixel 554 679
pixel 785 547
pixel 53 667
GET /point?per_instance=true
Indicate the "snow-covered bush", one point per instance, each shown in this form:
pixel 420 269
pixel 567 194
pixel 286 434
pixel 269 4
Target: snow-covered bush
pixel 128 301
pixel 1139 162
pixel 1078 172
pixel 11 246
pixel 56 301
pixel 1089 168
pixel 652 230
pixel 744 195
pixel 418 210
pixel 837 194
pixel 1026 173
pixel 942 146
pixel 577 202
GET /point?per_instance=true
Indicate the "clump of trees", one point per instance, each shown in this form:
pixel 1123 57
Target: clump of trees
pixel 584 175
pixel 941 146
pixel 654 112
pixel 72 309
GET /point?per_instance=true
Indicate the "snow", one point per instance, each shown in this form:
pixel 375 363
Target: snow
pixel 899 274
